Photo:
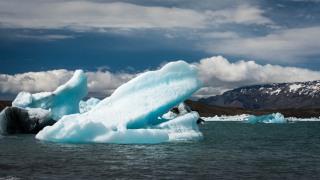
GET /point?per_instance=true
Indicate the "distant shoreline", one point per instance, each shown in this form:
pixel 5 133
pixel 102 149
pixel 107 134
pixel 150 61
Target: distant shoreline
pixel 205 110
pixel 4 104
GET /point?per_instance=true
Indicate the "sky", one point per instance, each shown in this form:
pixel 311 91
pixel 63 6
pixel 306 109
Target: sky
pixel 234 43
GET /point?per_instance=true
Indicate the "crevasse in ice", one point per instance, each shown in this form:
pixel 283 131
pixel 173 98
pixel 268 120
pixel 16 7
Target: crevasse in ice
pixel 64 100
pixel 134 112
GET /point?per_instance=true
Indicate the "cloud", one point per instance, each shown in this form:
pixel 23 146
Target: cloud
pixel 243 14
pixel 219 75
pixel 317 1
pixel 46 37
pixel 33 81
pixel 85 15
pixel 89 15
pixel 101 83
pixel 287 45
pixel 220 35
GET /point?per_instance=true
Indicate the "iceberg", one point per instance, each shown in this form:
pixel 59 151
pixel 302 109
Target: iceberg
pixel 179 110
pixel 276 118
pixel 134 113
pixel 30 113
pixel 295 119
pixel 24 121
pixel 64 100
pixel 85 106
pixel 239 118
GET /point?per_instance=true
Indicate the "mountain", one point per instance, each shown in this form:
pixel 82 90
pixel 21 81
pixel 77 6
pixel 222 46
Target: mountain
pixel 4 104
pixel 206 110
pixel 270 96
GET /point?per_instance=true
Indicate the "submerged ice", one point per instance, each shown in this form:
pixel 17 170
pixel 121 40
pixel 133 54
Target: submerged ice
pixel 135 112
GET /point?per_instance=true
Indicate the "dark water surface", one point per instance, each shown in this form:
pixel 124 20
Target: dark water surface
pixel 230 150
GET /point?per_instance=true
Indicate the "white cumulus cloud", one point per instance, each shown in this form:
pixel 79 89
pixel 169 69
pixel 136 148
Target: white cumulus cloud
pixel 217 73
pixel 101 83
pixel 33 81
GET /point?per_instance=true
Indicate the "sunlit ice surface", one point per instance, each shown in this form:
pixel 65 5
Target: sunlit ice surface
pixel 134 112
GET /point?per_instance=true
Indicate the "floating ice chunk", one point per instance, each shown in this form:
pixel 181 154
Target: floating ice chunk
pixel 277 118
pixel 88 105
pixel 241 117
pixel 64 100
pixel 294 119
pixel 132 114
pixel 179 110
pixel 183 127
pixel 254 119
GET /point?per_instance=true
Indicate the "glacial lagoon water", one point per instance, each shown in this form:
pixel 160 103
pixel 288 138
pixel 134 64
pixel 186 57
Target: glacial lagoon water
pixel 230 150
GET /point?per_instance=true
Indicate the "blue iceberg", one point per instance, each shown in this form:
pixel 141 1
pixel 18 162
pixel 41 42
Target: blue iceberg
pixel 32 112
pixel 64 100
pixel 276 118
pixel 135 112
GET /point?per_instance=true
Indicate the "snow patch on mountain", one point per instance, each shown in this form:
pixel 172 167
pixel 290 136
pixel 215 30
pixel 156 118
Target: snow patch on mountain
pixel 270 96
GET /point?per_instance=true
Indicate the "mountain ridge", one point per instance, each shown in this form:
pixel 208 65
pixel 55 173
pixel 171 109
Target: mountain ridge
pixel 301 95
